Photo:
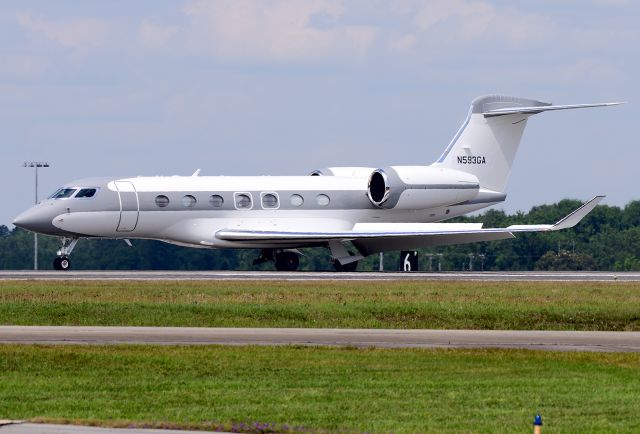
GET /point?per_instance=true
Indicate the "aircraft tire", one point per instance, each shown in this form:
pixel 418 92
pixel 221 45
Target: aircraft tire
pixel 62 264
pixel 352 266
pixel 287 261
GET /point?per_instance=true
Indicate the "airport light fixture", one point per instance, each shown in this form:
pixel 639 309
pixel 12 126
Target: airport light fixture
pixel 35 165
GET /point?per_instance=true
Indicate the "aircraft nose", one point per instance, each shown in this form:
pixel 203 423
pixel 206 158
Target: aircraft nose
pixel 34 220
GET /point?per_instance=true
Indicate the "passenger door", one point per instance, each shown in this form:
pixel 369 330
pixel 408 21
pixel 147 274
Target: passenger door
pixel 129 206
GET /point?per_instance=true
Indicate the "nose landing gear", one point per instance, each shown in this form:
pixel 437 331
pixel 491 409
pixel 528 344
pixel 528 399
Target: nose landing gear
pixel 62 262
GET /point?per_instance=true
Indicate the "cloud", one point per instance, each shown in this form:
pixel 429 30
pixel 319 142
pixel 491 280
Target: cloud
pixel 155 36
pixel 277 30
pixel 463 21
pixel 611 2
pixel 21 66
pixel 78 33
pixel 402 44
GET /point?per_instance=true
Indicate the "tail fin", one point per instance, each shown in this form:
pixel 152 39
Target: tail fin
pixel 486 147
pixel 486 144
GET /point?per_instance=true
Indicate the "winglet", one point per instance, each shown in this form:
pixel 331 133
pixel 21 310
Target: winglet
pixel 574 218
pixel 565 223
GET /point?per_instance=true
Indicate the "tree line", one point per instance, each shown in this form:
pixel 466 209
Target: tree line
pixel 607 239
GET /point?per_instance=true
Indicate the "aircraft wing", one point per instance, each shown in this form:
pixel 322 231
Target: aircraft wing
pixel 375 237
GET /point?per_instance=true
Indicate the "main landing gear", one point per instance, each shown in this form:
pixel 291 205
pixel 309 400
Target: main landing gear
pixel 347 268
pixel 343 260
pixel 62 262
pixel 287 261
pixel 284 260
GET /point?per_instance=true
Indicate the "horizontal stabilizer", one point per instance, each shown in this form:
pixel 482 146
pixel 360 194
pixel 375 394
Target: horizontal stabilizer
pixel 540 109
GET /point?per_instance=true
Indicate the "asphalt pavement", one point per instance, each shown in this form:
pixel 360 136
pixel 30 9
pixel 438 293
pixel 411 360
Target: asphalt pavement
pixel 364 338
pixel 578 276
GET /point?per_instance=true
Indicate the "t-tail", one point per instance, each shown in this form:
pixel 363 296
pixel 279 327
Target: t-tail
pixel 486 143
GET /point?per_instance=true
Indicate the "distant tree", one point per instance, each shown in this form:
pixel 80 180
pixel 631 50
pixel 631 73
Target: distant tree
pixel 565 260
pixel 631 214
pixel 629 263
pixel 607 239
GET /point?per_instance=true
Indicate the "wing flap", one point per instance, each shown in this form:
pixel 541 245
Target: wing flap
pixel 368 246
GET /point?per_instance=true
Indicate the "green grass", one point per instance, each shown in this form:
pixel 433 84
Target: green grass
pixel 455 305
pixel 328 389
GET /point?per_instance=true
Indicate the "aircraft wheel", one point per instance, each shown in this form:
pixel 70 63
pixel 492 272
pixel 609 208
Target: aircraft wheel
pixel 351 266
pixel 287 261
pixel 62 264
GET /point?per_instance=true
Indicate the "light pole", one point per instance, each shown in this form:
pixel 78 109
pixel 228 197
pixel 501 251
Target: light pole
pixel 35 164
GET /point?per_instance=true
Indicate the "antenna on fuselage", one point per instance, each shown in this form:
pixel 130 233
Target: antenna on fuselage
pixel 196 173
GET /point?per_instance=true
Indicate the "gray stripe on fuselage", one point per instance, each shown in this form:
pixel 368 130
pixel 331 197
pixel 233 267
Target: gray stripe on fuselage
pixel 441 186
pixel 107 200
pixel 487 200
pixel 342 199
pixel 339 199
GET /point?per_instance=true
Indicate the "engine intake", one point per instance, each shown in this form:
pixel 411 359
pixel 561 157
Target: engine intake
pixel 378 189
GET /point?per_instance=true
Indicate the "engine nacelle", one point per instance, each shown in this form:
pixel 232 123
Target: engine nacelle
pixel 353 172
pixel 420 187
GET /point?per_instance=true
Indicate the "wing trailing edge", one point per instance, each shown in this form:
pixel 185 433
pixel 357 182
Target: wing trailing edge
pixel 375 237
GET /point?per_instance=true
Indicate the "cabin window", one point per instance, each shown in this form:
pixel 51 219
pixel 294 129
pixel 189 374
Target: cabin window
pixel 188 201
pixel 86 193
pixel 243 201
pixel 322 200
pixel 162 201
pixel 63 193
pixel 296 200
pixel 216 201
pixel 270 201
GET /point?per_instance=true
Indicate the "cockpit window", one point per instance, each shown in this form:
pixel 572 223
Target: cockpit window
pixel 86 193
pixel 63 193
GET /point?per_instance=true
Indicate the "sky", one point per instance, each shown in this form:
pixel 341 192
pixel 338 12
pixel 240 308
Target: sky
pixel 282 87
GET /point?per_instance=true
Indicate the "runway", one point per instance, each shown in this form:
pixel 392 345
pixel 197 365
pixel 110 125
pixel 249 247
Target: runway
pixel 361 338
pixel 318 276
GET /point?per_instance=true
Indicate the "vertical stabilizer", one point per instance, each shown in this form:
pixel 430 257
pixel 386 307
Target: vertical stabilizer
pixel 485 146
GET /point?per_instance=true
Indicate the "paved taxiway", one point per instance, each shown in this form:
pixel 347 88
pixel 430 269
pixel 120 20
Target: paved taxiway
pixel 274 275
pixel 538 339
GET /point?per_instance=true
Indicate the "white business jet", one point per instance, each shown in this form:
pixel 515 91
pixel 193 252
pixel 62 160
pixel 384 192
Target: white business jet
pixel 352 211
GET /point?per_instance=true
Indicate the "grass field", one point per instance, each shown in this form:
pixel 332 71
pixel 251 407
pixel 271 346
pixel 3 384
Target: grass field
pixel 322 389
pixel 455 305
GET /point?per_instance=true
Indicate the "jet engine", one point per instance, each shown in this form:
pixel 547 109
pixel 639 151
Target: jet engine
pixel 420 187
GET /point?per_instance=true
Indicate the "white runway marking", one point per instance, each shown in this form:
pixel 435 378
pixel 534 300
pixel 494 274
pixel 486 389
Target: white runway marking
pixel 380 338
